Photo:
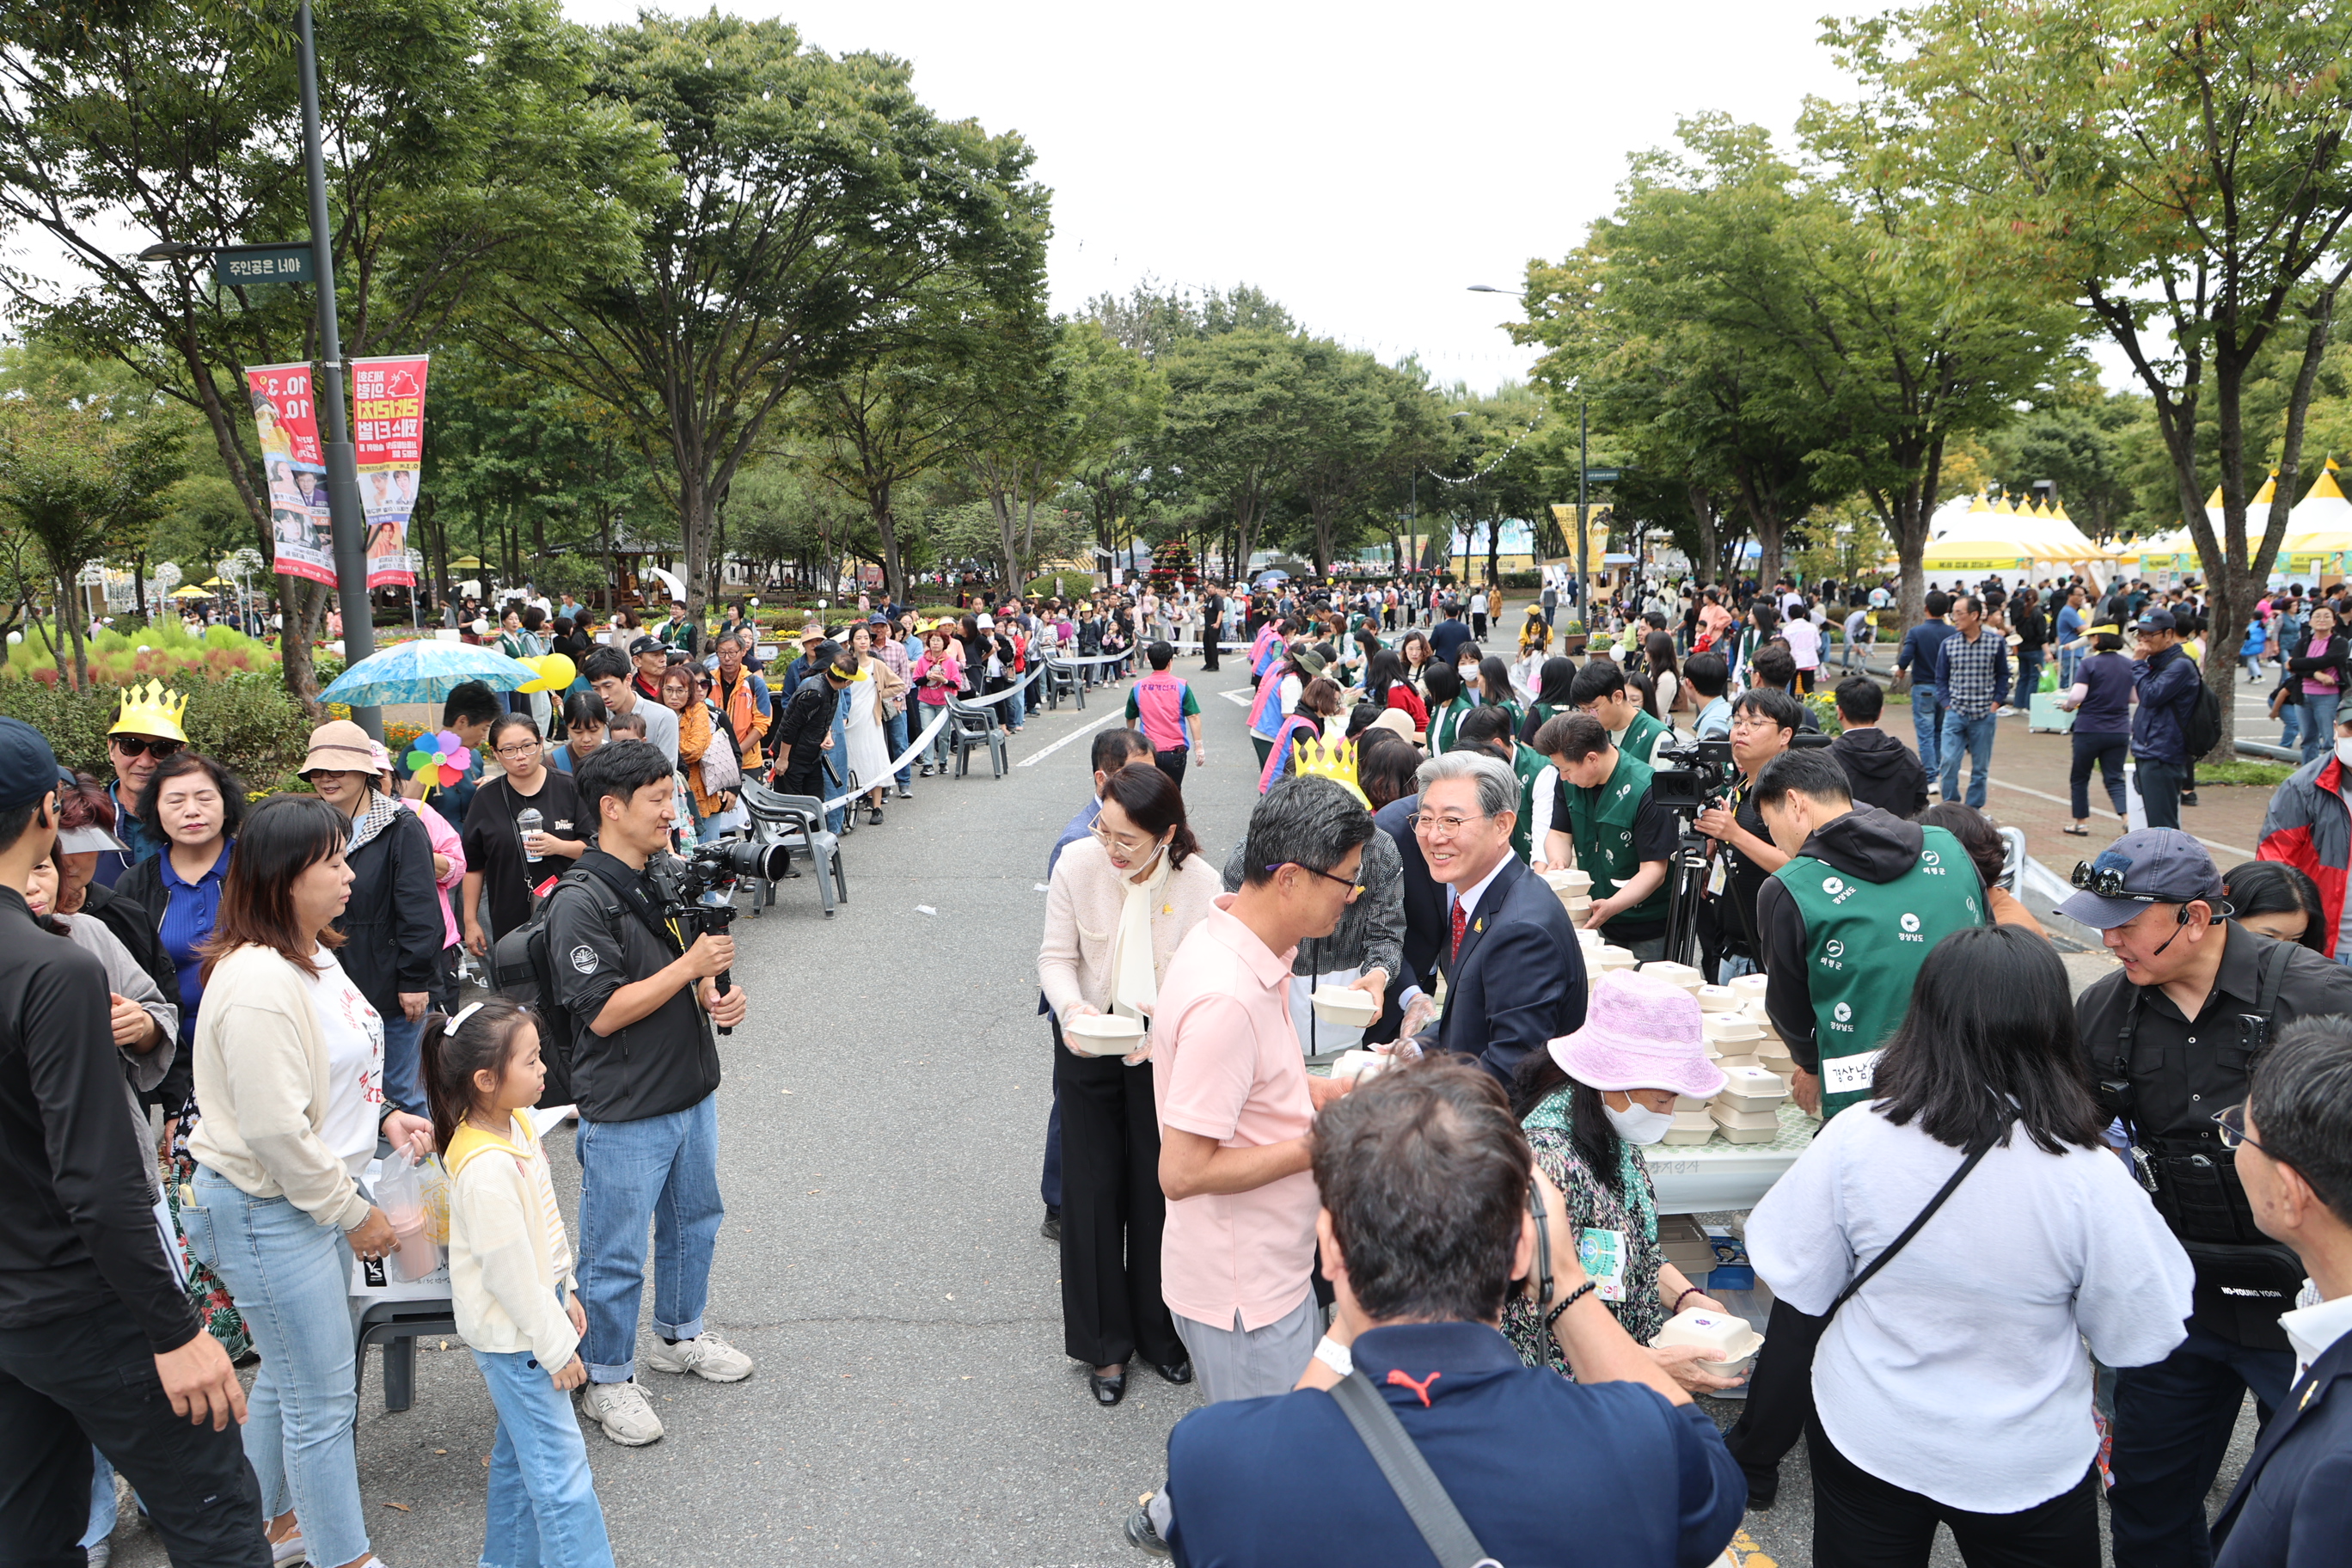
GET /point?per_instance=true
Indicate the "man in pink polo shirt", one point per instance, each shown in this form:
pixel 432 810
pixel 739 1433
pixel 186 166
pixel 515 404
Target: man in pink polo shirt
pixel 1235 1101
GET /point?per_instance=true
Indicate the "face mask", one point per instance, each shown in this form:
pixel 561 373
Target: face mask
pixel 2344 753
pixel 1637 1123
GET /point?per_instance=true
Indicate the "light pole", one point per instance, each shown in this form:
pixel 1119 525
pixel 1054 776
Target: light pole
pixel 348 525
pixel 1583 463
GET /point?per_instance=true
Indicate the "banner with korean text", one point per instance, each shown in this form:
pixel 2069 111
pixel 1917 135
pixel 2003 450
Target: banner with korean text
pixel 388 439
pixel 294 468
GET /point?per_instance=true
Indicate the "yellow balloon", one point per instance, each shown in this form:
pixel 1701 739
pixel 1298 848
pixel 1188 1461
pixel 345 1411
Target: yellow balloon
pixel 556 672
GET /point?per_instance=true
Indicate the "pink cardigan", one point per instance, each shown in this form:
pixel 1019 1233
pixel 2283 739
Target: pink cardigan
pixel 447 842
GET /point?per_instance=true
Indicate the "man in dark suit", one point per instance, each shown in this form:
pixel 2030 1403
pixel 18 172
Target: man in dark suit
pixel 1424 926
pixel 1617 1466
pixel 1513 971
pixel 2292 1503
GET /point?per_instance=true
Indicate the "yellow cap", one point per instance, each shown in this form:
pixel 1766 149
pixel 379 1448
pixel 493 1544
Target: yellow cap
pixel 151 710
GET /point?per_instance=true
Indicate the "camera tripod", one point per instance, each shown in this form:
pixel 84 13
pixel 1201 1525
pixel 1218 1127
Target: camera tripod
pixel 1686 871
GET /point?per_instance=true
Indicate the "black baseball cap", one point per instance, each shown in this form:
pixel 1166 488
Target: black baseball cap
pixel 2155 621
pixel 647 644
pixel 2153 866
pixel 28 768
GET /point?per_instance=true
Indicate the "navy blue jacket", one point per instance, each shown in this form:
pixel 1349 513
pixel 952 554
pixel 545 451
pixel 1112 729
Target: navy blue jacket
pixel 1424 906
pixel 2292 1504
pixel 1545 1471
pixel 1917 652
pixel 2106 706
pixel 2168 689
pixel 1518 979
pixel 1446 637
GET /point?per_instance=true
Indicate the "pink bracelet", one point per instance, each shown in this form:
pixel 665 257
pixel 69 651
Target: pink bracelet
pixel 1688 1291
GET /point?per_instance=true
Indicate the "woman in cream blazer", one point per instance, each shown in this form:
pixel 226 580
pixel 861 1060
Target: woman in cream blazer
pixel 1119 904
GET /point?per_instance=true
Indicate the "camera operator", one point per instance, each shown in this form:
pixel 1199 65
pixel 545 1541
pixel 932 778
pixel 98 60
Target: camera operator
pixel 1424 1183
pixel 1764 723
pixel 644 1070
pixel 2170 1041
pixel 1603 804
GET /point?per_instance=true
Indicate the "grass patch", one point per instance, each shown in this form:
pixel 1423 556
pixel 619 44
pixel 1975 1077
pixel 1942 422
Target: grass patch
pixel 2242 770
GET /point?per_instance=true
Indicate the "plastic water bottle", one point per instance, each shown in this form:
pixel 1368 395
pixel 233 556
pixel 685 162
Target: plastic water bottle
pixel 527 823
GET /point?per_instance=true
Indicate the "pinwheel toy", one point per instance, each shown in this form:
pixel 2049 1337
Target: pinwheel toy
pixel 440 759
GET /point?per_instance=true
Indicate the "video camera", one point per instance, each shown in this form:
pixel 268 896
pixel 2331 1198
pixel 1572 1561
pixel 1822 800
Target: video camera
pixel 1692 774
pixel 715 867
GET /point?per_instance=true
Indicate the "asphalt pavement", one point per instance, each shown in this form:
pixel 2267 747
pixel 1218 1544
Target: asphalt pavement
pixel 882 1122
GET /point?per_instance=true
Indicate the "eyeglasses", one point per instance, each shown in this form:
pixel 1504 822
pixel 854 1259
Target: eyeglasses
pixel 2232 1123
pixel 1441 827
pixel 519 753
pixel 1108 840
pixel 2106 882
pixel 1354 885
pixel 140 745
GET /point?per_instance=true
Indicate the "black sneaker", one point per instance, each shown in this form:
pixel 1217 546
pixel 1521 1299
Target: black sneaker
pixel 2188 797
pixel 1143 1538
pixel 1052 1230
pixel 1763 1486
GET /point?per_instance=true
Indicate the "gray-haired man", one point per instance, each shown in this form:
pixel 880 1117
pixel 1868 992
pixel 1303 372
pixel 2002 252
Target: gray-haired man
pixel 1513 971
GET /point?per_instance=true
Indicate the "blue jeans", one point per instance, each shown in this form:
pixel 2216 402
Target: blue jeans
pixel 404 1065
pixel 2318 724
pixel 290 1278
pixel 2069 660
pixel 2029 678
pixel 101 1500
pixel 1928 723
pixel 663 1170
pixel 543 1501
pixel 2290 724
pixel 2172 1430
pixel 894 731
pixel 1974 737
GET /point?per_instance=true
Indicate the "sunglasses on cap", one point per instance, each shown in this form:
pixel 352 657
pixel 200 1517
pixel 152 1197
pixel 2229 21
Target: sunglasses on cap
pixel 2107 883
pixel 142 745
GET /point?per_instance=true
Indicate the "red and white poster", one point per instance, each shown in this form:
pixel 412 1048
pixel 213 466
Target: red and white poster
pixel 294 468
pixel 388 437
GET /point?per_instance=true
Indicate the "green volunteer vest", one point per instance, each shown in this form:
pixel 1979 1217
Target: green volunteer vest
pixel 1443 723
pixel 1531 765
pixel 1640 736
pixel 1600 822
pixel 1864 944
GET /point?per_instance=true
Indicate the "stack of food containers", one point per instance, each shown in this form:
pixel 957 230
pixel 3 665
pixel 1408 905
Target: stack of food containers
pixel 1685 1245
pixel 1575 890
pixel 1749 1109
pixel 1601 960
pixel 1681 974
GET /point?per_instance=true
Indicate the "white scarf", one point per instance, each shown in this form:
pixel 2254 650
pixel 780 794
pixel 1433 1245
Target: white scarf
pixel 1134 982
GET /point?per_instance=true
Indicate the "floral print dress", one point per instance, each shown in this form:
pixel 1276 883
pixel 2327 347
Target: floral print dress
pixel 1631 1211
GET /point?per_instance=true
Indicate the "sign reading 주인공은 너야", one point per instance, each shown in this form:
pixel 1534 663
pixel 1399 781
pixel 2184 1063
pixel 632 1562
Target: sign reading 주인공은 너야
pixel 294 469
pixel 388 442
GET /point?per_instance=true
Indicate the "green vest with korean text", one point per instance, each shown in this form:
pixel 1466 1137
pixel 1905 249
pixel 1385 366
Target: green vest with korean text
pixel 1601 823
pixel 1864 944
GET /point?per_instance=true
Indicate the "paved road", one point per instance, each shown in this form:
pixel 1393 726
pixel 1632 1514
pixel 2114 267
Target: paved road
pixel 882 1121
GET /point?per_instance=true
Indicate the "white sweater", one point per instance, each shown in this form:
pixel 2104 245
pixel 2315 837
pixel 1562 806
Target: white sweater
pixel 1082 906
pixel 1958 1372
pixel 508 1250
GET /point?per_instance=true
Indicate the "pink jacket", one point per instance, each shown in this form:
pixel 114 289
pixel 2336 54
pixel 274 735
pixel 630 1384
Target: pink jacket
pixel 447 842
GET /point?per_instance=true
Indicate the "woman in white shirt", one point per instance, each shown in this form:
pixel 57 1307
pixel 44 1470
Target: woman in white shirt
pixel 1119 904
pixel 1954 1387
pixel 289 1070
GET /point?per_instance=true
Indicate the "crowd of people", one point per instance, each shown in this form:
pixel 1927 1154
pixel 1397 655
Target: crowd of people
pixel 227 1023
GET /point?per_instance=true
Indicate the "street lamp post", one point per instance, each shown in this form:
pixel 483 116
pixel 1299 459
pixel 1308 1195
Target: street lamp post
pixel 347 524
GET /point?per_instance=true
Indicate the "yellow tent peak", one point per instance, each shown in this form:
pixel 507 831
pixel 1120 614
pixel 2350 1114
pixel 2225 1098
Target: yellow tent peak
pixel 2213 501
pixel 2059 512
pixel 2331 465
pixel 2325 486
pixel 2269 489
pixel 2004 507
pixel 2041 507
pixel 1980 503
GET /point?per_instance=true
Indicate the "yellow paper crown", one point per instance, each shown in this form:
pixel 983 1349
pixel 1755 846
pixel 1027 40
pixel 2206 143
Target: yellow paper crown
pixel 151 710
pixel 1335 761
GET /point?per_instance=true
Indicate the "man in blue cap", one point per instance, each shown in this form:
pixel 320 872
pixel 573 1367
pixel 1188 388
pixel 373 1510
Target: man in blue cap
pixel 2168 1041
pixel 2168 683
pixel 97 1341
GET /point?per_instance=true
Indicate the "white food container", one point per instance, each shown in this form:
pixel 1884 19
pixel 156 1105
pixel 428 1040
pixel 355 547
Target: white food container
pixel 1607 959
pixel 1588 939
pixel 1344 1006
pixel 1718 999
pixel 1751 1088
pixel 1728 1029
pixel 1748 1120
pixel 1727 1061
pixel 1681 974
pixel 1749 987
pixel 1355 1066
pixel 1103 1034
pixel 1570 884
pixel 1684 1103
pixel 1679 1136
pixel 1711 1330
pixel 1701 1120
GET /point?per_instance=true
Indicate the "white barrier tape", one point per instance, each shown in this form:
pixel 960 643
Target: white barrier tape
pixel 921 741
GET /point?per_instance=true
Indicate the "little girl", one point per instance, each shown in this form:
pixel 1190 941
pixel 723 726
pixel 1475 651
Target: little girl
pixel 511 1282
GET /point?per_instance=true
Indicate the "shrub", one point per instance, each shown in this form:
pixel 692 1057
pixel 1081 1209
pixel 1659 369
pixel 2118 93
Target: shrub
pixel 243 719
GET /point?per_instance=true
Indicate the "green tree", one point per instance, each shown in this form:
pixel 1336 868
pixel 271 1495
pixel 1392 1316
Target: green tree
pixel 815 197
pixel 1366 427
pixel 461 155
pixel 2179 174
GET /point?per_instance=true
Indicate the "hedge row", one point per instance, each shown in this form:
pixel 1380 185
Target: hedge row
pixel 247 720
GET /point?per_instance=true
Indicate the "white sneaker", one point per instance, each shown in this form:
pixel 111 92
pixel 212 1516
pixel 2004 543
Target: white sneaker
pixel 621 1409
pixel 706 1356
pixel 289 1553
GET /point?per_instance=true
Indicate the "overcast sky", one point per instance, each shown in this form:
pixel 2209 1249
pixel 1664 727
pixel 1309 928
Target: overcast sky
pixel 1362 163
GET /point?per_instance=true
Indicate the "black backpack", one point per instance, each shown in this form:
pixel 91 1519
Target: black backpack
pixel 522 969
pixel 2202 732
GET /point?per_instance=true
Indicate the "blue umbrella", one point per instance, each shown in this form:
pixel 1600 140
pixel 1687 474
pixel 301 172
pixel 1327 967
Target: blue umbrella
pixel 424 670
pixel 1277 575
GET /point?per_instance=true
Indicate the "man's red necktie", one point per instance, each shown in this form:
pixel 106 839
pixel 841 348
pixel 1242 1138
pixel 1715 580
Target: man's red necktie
pixel 1461 918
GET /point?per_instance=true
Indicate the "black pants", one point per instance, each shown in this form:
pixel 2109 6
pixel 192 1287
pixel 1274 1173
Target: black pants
pixel 1171 762
pixel 1780 1395
pixel 2108 747
pixel 2159 790
pixel 1208 650
pixel 91 1379
pixel 2173 1421
pixel 1862 1521
pixel 1112 1213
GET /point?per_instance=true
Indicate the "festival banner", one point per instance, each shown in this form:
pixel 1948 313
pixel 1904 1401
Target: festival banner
pixel 388 436
pixel 293 463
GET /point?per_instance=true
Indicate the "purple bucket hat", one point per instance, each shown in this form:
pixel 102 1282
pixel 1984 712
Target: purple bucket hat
pixel 1639 1033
